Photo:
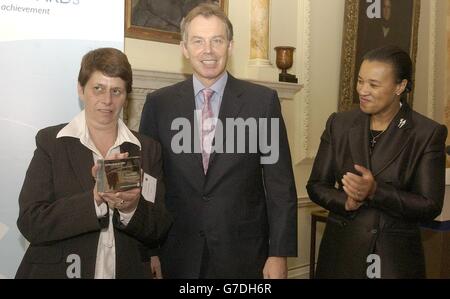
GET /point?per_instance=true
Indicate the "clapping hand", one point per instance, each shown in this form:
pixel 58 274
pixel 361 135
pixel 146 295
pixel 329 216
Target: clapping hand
pixel 358 187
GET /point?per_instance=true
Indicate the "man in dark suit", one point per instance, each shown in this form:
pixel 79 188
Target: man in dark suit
pixel 235 217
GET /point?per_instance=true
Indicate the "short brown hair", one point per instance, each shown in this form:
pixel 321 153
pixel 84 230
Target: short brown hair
pixel 110 62
pixel 206 10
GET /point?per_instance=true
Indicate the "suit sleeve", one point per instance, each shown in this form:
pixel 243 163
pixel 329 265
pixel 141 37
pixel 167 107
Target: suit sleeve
pixel 148 125
pixel 425 199
pixel 321 184
pixel 151 221
pixel 280 187
pixel 43 218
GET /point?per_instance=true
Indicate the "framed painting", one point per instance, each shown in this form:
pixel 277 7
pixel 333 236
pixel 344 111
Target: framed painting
pixel 366 27
pixel 159 20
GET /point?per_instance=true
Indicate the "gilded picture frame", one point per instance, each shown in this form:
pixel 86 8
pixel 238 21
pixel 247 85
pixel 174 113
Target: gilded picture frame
pixel 159 20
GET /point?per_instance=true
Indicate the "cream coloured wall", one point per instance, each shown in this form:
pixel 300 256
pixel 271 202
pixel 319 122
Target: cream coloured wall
pixel 318 63
pixel 441 58
pixel 285 30
pixel 148 55
pixel 430 83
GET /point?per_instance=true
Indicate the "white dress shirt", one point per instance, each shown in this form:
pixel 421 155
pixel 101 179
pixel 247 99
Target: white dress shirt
pixel 105 264
pixel 216 101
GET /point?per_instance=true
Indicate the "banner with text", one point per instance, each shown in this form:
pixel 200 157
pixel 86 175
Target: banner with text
pixel 41 45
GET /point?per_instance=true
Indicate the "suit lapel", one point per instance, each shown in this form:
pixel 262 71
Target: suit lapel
pixel 229 108
pixel 82 160
pixel 358 137
pixel 186 108
pixel 395 139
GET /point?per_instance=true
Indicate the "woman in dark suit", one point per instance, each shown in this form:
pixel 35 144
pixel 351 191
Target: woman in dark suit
pixel 380 171
pixel 75 231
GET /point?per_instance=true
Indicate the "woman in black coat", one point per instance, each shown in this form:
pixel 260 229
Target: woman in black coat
pixel 74 230
pixel 380 171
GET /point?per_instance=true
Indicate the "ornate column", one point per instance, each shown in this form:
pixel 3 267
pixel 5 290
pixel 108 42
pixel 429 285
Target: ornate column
pixel 259 44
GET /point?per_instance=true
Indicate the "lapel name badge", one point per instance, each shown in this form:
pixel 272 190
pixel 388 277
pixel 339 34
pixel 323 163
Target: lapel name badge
pixel 402 123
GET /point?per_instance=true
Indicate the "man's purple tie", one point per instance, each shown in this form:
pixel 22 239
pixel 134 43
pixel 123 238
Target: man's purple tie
pixel 207 126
